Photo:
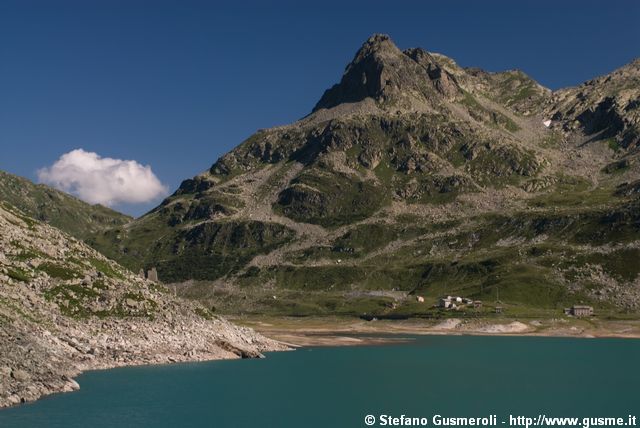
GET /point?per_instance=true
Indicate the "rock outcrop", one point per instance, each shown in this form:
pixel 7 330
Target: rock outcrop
pixel 384 73
pixel 607 107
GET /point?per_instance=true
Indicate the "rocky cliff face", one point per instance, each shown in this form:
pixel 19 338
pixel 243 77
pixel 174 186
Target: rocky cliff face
pixel 65 308
pixel 412 175
pixel 605 108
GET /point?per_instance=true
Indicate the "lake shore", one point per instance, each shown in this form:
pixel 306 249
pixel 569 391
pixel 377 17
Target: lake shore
pixel 279 333
pixel 40 360
pixel 336 331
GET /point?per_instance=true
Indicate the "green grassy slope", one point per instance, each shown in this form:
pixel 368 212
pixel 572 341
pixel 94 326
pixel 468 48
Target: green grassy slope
pixel 59 209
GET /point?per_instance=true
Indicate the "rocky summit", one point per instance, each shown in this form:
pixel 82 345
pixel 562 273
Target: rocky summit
pixel 413 177
pixel 65 308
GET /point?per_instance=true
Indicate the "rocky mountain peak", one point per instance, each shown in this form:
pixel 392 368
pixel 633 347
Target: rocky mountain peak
pixel 381 71
pixel 363 76
pixel 377 44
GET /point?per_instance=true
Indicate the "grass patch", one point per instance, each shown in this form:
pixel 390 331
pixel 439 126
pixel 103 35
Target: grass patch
pixel 330 199
pixel 617 167
pixel 27 254
pixel 479 112
pixel 105 268
pixel 368 237
pixel 18 275
pixel 70 299
pixel 384 172
pixel 572 192
pixel 100 284
pixel 57 271
pixel 613 144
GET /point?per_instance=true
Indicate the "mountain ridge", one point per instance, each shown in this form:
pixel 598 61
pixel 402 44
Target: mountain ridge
pixel 420 177
pixel 57 208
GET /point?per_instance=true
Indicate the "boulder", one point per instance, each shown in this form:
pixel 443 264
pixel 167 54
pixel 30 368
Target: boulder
pixel 20 375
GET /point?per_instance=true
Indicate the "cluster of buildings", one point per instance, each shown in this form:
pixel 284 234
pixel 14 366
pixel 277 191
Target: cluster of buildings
pixel 455 302
pixel 458 302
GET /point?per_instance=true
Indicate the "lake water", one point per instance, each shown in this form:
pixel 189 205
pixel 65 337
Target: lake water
pixel 336 387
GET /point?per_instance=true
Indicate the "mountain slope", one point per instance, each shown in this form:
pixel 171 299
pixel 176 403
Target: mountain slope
pixel 412 176
pixel 607 107
pixel 57 208
pixel 64 308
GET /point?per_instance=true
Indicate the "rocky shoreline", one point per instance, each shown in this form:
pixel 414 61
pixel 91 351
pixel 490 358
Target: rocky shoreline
pixel 65 309
pixel 43 362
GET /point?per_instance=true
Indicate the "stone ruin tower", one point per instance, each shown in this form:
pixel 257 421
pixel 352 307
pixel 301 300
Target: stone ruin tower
pixel 152 274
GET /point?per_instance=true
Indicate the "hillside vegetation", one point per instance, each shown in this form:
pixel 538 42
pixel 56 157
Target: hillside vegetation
pixel 413 176
pixel 57 208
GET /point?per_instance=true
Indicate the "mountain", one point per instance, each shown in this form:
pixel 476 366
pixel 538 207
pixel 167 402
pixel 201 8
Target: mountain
pixel 65 308
pixel 413 176
pixel 57 208
pixel 605 108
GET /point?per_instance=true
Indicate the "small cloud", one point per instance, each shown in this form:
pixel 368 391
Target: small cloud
pixel 105 181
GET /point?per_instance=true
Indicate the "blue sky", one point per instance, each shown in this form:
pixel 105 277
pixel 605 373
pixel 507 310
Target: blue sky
pixel 176 84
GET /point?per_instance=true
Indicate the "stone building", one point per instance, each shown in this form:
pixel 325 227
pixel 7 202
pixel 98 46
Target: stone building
pixel 579 311
pixel 152 274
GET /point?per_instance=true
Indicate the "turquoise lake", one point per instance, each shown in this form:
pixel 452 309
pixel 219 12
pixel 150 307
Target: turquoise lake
pixel 337 387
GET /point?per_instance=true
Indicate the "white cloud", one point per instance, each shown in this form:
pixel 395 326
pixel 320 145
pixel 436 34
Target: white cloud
pixel 105 181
